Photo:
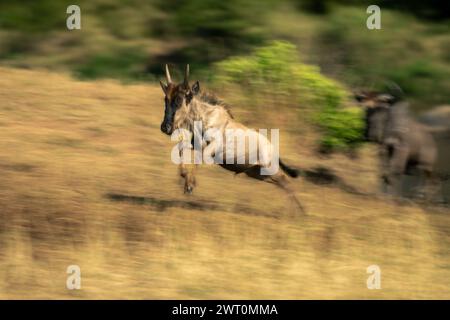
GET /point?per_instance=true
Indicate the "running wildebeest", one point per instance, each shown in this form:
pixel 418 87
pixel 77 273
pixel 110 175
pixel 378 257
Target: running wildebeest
pixel 438 120
pixel 405 144
pixel 185 104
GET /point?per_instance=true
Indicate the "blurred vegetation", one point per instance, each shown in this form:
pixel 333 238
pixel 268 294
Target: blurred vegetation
pixel 410 52
pixel 274 75
pixel 133 39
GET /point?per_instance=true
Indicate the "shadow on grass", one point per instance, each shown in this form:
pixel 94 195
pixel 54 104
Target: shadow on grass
pixel 20 167
pixel 202 205
pixel 324 176
pixel 162 204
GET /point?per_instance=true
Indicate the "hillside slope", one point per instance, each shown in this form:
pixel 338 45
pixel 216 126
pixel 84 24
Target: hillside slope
pixel 87 180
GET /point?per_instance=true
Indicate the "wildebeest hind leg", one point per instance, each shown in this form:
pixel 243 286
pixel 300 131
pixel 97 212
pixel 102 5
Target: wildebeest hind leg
pixel 280 180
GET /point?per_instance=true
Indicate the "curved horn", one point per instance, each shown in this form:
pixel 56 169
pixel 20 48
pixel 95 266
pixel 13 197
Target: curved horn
pixel 168 78
pixel 186 76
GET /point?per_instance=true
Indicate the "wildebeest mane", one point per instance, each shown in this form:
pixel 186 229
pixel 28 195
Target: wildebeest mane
pixel 212 99
pixel 399 117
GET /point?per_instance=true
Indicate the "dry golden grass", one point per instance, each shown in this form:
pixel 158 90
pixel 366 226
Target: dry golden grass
pixel 87 180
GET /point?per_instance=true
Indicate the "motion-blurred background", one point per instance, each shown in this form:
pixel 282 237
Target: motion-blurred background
pixel 87 177
pixel 131 39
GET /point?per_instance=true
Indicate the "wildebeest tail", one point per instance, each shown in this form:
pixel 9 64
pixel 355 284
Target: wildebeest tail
pixel 294 173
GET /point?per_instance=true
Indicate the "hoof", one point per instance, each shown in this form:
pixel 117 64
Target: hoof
pixel 188 190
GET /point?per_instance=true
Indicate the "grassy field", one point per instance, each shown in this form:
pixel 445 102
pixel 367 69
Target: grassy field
pixel 87 180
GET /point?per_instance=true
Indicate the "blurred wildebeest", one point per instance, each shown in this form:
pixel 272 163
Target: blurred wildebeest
pixel 406 146
pixel 438 120
pixel 185 105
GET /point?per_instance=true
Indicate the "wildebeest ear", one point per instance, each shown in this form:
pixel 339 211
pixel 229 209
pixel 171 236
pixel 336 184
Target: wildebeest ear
pixel 195 88
pixel 385 97
pixel 360 96
pixel 163 87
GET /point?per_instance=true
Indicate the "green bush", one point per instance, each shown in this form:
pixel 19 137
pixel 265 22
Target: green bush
pixel 122 63
pixel 343 129
pixel 30 16
pixel 276 71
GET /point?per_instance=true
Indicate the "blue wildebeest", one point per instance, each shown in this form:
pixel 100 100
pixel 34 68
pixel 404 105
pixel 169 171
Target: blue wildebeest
pixel 406 146
pixel 438 119
pixel 185 106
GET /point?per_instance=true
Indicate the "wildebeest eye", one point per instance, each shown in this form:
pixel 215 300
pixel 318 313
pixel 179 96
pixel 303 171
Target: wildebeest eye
pixel 178 101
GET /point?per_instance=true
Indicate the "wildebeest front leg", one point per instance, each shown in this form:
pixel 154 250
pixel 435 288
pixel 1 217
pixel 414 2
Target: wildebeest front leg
pixel 187 171
pixel 384 156
pixel 396 164
pixel 209 152
pixel 430 187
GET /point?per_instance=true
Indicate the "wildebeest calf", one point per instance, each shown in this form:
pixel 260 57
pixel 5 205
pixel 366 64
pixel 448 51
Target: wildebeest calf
pixel 185 106
pixel 405 144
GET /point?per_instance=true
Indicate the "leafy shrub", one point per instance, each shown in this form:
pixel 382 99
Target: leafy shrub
pixel 32 16
pixel 276 70
pixel 214 29
pixel 118 63
pixel 422 79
